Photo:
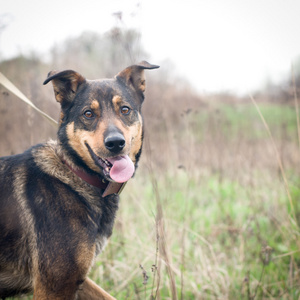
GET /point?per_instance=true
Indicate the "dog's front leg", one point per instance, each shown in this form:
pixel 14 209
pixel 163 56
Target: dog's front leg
pixel 91 291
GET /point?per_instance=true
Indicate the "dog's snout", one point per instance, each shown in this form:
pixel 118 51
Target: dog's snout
pixel 114 142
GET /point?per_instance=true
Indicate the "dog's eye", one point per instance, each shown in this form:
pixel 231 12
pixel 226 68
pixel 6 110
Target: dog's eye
pixel 125 110
pixel 88 114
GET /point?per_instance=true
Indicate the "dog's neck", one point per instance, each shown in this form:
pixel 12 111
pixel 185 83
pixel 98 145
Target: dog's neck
pixel 107 188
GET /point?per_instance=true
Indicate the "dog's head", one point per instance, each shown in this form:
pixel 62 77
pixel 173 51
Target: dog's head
pixel 101 126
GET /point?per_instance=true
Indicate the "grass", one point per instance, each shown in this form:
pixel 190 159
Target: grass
pixel 225 241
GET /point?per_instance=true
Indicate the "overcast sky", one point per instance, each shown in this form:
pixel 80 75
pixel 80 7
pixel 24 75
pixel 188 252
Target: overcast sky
pixel 217 45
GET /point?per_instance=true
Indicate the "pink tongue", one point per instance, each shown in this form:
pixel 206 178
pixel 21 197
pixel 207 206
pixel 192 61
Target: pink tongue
pixel 122 169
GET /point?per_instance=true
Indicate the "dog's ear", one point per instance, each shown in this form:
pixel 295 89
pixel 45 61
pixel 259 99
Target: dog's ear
pixel 65 85
pixel 134 75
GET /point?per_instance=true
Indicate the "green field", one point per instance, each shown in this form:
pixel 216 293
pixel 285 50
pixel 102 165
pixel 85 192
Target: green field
pixel 223 240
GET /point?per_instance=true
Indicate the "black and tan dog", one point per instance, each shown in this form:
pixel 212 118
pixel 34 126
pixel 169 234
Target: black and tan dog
pixel 58 200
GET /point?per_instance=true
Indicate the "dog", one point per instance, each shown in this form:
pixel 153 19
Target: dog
pixel 58 200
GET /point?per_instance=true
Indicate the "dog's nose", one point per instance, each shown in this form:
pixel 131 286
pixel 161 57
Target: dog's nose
pixel 114 143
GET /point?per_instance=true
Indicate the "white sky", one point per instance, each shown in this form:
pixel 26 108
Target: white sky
pixel 233 45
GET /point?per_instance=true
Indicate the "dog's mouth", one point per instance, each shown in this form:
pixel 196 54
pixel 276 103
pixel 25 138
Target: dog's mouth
pixel 119 168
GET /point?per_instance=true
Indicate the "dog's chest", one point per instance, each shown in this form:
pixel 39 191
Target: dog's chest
pixel 109 207
pixel 91 213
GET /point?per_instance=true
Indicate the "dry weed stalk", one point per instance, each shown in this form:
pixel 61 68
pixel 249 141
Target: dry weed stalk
pixel 156 267
pixel 161 243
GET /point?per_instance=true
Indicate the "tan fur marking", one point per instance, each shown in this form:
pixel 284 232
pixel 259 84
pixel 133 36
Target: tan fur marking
pixel 95 105
pixel 61 117
pixel 117 100
pixel 136 139
pixel 85 257
pixel 58 96
pixel 143 85
pixel 77 139
pixel 141 82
